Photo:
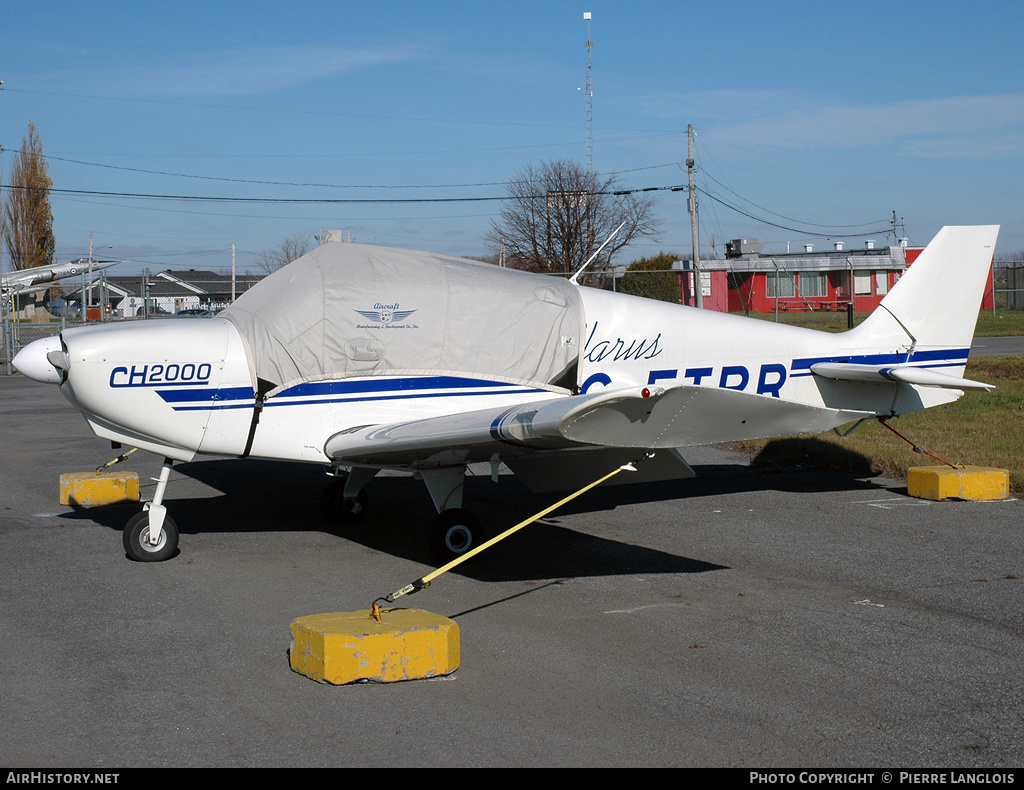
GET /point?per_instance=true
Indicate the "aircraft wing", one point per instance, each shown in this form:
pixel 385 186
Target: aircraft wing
pixel 475 434
pixel 38 278
pixel 649 418
pixel 20 289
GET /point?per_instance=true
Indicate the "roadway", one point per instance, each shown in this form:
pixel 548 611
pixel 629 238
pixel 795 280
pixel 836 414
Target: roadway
pixel 744 618
pixel 997 346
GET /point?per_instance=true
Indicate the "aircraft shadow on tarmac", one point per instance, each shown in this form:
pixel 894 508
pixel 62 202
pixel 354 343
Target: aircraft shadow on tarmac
pixel 271 496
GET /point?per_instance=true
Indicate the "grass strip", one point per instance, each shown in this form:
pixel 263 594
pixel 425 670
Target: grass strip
pixel 980 429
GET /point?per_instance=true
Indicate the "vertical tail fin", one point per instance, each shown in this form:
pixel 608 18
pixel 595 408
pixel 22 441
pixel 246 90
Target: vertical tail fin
pixel 936 302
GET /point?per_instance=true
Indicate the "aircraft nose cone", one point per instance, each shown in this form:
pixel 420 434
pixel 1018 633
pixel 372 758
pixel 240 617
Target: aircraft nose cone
pixel 33 361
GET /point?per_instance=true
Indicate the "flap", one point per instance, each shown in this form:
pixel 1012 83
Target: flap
pixel 474 435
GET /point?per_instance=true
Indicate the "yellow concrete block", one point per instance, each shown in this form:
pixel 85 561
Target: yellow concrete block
pixel 969 482
pixel 344 647
pixel 88 488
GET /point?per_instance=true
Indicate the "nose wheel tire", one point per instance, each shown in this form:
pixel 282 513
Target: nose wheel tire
pixel 136 539
pixel 453 534
pixel 337 509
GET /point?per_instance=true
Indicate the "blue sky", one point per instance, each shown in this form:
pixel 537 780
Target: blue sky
pixel 821 118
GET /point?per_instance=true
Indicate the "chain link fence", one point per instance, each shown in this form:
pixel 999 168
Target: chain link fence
pixel 663 285
pixel 18 334
pixel 666 285
pixel 185 293
pixel 1008 284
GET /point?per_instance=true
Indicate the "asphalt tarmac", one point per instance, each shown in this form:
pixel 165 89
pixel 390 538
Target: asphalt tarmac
pixel 997 346
pixel 743 618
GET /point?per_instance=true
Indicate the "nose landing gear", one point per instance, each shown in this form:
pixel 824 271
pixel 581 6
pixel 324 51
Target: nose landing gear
pixel 152 535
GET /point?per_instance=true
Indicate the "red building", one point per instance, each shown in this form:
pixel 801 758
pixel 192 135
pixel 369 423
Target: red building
pixel 747 281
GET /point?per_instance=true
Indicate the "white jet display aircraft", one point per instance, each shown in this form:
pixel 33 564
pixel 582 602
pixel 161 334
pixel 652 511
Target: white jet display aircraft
pixel 363 358
pixel 37 278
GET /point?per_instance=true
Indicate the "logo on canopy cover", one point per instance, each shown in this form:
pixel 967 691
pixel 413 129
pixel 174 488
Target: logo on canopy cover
pixel 386 314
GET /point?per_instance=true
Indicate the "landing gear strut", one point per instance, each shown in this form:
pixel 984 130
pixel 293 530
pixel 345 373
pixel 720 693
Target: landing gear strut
pixel 152 536
pixel 345 500
pixel 455 531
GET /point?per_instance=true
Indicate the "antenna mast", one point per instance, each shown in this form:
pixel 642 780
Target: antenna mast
pixel 590 100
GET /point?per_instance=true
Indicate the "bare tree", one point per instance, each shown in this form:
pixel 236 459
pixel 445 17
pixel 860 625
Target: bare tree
pixel 557 215
pixel 295 246
pixel 29 218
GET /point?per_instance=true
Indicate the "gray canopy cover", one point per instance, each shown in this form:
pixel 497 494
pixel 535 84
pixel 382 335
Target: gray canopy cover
pixel 356 310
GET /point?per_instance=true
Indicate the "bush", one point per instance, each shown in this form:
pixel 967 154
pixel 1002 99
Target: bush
pixel 653 279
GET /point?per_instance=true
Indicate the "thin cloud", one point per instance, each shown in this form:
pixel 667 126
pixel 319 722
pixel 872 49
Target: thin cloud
pixel 956 126
pixel 240 72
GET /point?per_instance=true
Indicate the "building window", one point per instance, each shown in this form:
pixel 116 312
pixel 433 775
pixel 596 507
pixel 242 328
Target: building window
pixel 780 285
pixel 812 284
pixel 881 283
pixel 862 283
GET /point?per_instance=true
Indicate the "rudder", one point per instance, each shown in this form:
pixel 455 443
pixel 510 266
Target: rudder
pixel 935 304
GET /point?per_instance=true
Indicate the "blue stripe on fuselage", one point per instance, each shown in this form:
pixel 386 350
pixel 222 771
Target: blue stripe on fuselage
pixel 925 359
pixel 313 392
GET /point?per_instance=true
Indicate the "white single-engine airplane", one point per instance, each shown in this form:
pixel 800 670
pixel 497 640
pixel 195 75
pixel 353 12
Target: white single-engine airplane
pixel 364 358
pixel 25 281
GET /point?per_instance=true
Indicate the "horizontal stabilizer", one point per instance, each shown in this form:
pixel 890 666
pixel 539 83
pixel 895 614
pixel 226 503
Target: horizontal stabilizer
pixel 905 374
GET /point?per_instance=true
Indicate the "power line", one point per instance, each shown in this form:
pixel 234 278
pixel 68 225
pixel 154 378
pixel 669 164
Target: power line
pixel 236 199
pixel 783 216
pixel 802 231
pixel 492 198
pixel 303 184
pixel 814 230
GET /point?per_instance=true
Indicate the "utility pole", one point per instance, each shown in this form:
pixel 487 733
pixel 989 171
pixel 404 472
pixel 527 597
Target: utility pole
pixel 2 225
pixel 8 305
pixel 697 290
pixel 145 292
pixel 232 272
pixel 88 294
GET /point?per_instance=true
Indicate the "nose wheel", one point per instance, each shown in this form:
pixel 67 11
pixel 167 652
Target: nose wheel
pixel 140 548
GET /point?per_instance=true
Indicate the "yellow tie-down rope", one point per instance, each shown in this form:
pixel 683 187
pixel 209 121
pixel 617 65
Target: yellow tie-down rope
pixel 119 459
pixel 419 584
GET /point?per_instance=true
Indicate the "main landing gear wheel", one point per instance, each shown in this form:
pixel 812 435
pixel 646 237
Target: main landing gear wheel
pixel 336 508
pixel 136 539
pixel 453 533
